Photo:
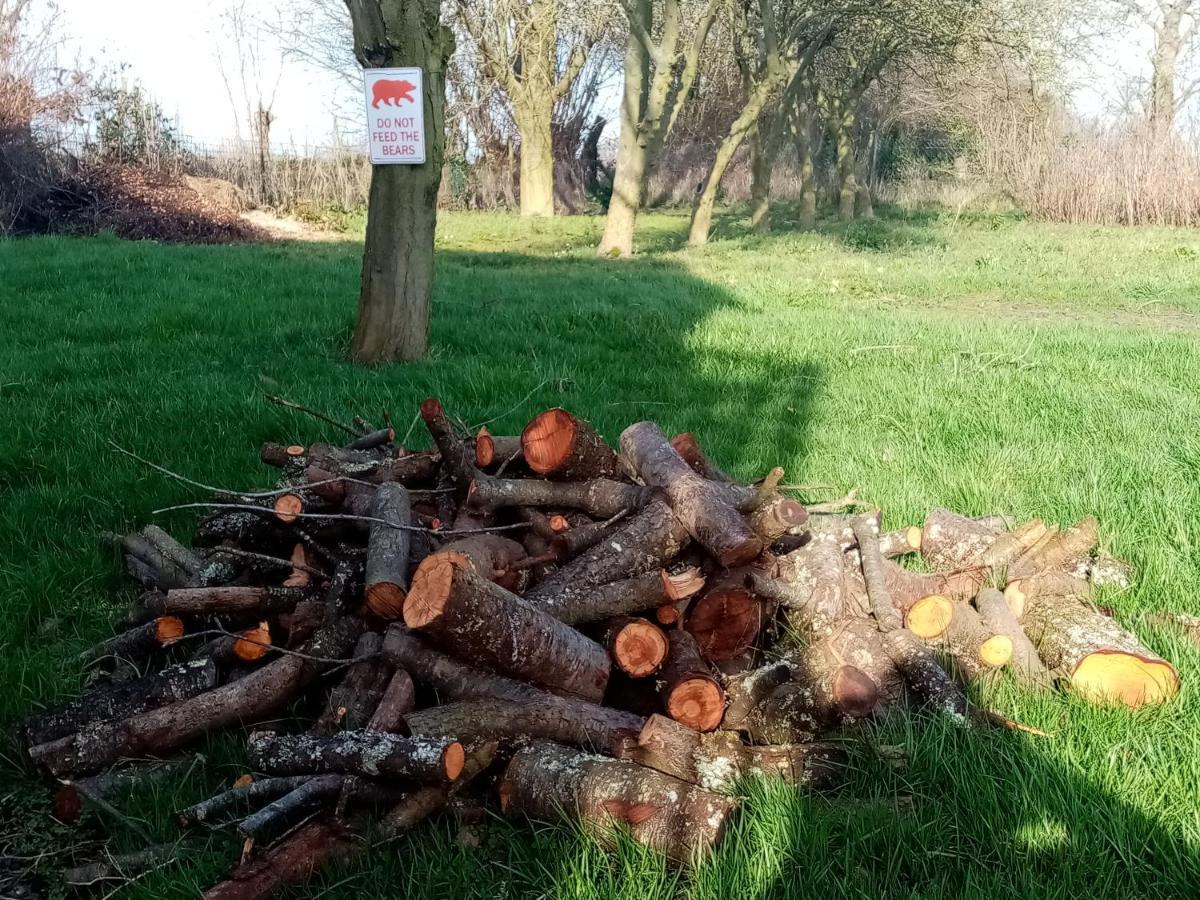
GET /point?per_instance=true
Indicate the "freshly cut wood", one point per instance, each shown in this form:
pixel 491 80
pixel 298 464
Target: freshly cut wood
pixel 562 445
pixel 138 642
pixel 352 702
pixel 288 507
pixel 700 505
pixel 637 646
pixel 725 620
pixel 549 782
pixel 924 677
pixel 119 701
pixel 358 753
pixel 900 542
pixel 715 761
pixel 479 620
pixel 1063 552
pixel 1095 655
pixel 281 455
pixel 689 691
pixel 1022 592
pixel 388 548
pixel 511 721
pixel 688 447
pixel 301 576
pixel 883 607
pixel 277 818
pixel 260 693
pixel 925 600
pixel 974 647
pixel 493 557
pixel 232 600
pixel 1011 544
pixel 998 618
pixel 398 700
pixel 619 598
pixel 776 517
pixel 645 543
pixel 950 541
pixel 809 582
pixel 600 497
pixel 494 450
pixel 252 644
pixel 821 690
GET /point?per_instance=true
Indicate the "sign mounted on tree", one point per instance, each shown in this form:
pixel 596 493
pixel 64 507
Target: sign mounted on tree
pixel 395 115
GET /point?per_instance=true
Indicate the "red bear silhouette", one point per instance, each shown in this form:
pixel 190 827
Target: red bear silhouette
pixel 390 93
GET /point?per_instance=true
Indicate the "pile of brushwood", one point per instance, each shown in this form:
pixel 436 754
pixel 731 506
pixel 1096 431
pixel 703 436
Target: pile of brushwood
pixel 614 636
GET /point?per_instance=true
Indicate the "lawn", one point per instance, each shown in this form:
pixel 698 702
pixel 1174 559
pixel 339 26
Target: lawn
pixel 984 363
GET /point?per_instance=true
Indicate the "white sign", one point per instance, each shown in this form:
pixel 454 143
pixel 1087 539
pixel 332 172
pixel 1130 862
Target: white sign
pixel 395 115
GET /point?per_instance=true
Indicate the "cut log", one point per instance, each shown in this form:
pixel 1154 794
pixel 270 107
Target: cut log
pixel 715 761
pixel 399 699
pixel 281 455
pixel 239 800
pixel 950 541
pixel 1098 658
pixel 809 582
pixel 292 861
pixel 120 701
pixel 725 620
pixel 700 505
pixel 972 645
pixel 579 538
pixel 645 543
pixel 493 450
pixel 288 507
pixel 277 818
pixel 620 598
pixel 352 703
pixel 455 459
pixel 1022 592
pixel 258 694
pixel 998 618
pixel 138 642
pixel 600 726
pixel 232 600
pixel 883 607
pixel 549 782
pixel 577 723
pixel 746 690
pixel 157 570
pixel 388 548
pixel 689 692
pixel 301 576
pixel 372 439
pixel 638 647
pixel 688 447
pixel 924 676
pixel 124 867
pixel 776 517
pixel 252 644
pixel 371 753
pixel 479 620
pixel 1012 544
pixel 900 542
pixel 558 444
pixel 1066 551
pixel 183 557
pixel 493 557
pixel 600 497
pixel 924 600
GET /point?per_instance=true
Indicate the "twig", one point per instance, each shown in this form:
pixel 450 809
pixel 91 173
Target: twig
pixel 987 717
pixel 513 408
pixel 336 661
pixel 267 558
pixel 280 401
pixel 411 426
pixel 850 501
pixel 341 517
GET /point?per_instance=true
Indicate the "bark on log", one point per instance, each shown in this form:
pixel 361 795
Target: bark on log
pixel 637 646
pixel 578 538
pixel 493 557
pixel 690 693
pixel 646 542
pixel 1064 552
pixel 776 517
pixel 715 761
pixel 688 447
pixel 139 641
pixel 351 704
pixel 972 645
pixel 924 676
pixel 232 600
pixel 157 570
pixel 455 459
pixel 239 800
pixel 373 439
pixel 183 557
pixel 900 542
pixel 167 728
pixel 725 620
pixel 1098 658
pixel 547 781
pixel 277 818
pixel 998 618
pixel 399 699
pixel 494 450
pixel 388 549
pixel 372 753
pixel 950 541
pixel 1023 592
pixel 600 497
pixel 293 861
pixel 809 582
pixel 619 598
pixel 281 455
pixel 1011 544
pixel 479 620
pixel 700 505
pixel 121 867
pixel 558 444
pixel 925 600
pixel 121 701
pixel 883 607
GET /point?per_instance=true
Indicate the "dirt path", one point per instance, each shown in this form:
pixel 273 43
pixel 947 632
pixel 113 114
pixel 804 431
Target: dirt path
pixel 287 228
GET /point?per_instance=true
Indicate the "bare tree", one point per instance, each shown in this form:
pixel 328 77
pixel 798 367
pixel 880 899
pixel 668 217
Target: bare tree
pixel 1174 24
pixel 661 61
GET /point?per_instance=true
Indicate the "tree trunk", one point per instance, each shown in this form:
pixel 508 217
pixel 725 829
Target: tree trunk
pixel 629 176
pixel 808 173
pixel 761 163
pixel 1168 44
pixel 533 117
pixel 843 125
pixel 397 269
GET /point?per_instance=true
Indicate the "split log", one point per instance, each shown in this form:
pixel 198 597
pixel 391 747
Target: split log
pixel 715 761
pixel 399 699
pixel 923 675
pixel 511 721
pixel 388 549
pixel 699 504
pixel 1064 552
pixel 558 444
pixel 371 753
pixel 549 782
pixel 139 641
pixel 638 647
pixel 481 621
pixel 599 726
pixel 493 450
pixel 998 618
pixel 232 600
pixel 1098 658
pixel 277 818
pixel 776 517
pixel 239 800
pixel 260 693
pixel 688 447
pixel 950 541
pixel 352 703
pixel 493 557
pixel 120 701
pixel 972 645
pixel 619 598
pixel 689 692
pixel 600 497
pixel 725 620
pixel 1023 592
pixel 646 542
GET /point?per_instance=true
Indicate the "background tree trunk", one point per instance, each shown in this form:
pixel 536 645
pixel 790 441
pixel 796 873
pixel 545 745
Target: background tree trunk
pixel 1168 44
pixel 843 124
pixel 629 177
pixel 397 271
pixel 537 157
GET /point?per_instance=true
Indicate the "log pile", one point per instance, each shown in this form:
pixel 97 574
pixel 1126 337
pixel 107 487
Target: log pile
pixel 615 635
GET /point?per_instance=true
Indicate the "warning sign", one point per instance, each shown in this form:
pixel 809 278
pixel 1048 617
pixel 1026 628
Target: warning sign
pixel 395 115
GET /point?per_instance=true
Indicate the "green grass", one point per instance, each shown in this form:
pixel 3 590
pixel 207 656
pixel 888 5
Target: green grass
pixel 988 364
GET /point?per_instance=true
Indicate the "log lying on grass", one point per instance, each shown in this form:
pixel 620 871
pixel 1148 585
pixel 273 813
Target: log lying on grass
pixel 950 541
pixel 973 645
pixel 138 642
pixel 998 618
pixel 232 600
pixel 683 822
pixel 371 753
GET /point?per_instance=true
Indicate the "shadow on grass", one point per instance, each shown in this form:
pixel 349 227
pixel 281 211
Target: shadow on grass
pixel 892 228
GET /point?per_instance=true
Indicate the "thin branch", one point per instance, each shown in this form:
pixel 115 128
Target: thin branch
pixel 282 401
pixel 267 558
pixel 340 517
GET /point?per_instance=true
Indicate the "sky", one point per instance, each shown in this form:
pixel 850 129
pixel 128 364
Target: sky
pixel 187 80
